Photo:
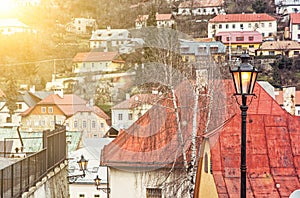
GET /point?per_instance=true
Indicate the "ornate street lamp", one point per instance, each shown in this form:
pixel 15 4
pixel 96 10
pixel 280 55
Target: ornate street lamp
pixel 244 78
pixel 82 163
pixel 98 182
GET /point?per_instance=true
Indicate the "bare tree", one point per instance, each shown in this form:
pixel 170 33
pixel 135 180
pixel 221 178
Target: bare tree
pixel 191 86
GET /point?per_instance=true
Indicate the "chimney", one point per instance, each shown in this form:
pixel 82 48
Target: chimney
pixel 59 92
pixel 32 89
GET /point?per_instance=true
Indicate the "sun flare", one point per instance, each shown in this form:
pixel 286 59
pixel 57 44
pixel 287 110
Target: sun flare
pixel 7 7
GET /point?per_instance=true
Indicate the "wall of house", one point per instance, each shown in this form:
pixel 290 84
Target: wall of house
pixel 36 123
pixel 76 123
pixel 54 185
pixel 88 190
pixel 133 183
pixel 266 28
pixel 295 31
pixel 207 187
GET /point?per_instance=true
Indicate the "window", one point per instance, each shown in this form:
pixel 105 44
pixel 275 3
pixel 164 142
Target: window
pixel 270 24
pixel 43 123
pixel 75 124
pixel 262 25
pixel 298 36
pixel 92 64
pixel 242 26
pixel 226 26
pixel 153 193
pixel 213 49
pixel 296 52
pixel 239 47
pixel 50 109
pixel 213 26
pixel 210 163
pixel 228 38
pixel 206 163
pixel 240 38
pixel 202 49
pixel 120 116
pixel 19 106
pixel 43 109
pixel 233 26
pixel 251 38
pixel 81 195
pixel 129 116
pixel 263 34
pixel 102 125
pixel 93 124
pixel 97 196
pixel 271 52
pixel 83 124
pixel 270 34
pixel 251 46
pixel 220 26
pixel 249 25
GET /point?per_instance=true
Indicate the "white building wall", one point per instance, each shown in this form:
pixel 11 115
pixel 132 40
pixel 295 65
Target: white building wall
pixel 295 31
pixel 133 184
pixel 267 28
pixel 88 190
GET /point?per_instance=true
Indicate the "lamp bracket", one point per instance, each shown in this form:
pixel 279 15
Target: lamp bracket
pixel 251 99
pixel 106 190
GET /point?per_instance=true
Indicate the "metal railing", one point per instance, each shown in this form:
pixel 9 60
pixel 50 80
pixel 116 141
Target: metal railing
pixel 20 176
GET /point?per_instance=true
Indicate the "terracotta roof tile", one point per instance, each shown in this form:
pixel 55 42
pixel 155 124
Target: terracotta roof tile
pixel 279 45
pixel 95 56
pixel 242 18
pixel 295 18
pixel 272 151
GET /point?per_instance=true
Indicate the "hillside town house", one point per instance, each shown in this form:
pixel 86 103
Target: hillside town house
pixel 109 39
pixel 206 7
pixel 272 151
pixel 239 41
pixel 195 51
pixel 294 27
pixel 11 26
pixel 263 23
pixel 97 62
pixel 162 20
pixel 284 7
pixel 273 48
pixel 69 110
pixel 128 111
pixel 145 160
pixel 81 26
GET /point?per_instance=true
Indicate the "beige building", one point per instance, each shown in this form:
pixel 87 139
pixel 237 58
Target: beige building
pixel 272 48
pixel 96 61
pixel 69 110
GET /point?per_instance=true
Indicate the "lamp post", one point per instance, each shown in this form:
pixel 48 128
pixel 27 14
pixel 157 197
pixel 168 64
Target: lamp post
pixel 98 182
pixel 244 78
pixel 82 163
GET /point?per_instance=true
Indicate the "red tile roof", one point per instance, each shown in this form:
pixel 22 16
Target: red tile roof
pixel 95 56
pixel 152 141
pixel 273 150
pixel 201 4
pixel 295 18
pixel 242 18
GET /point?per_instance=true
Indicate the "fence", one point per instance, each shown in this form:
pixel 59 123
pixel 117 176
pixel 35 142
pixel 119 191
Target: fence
pixel 20 176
